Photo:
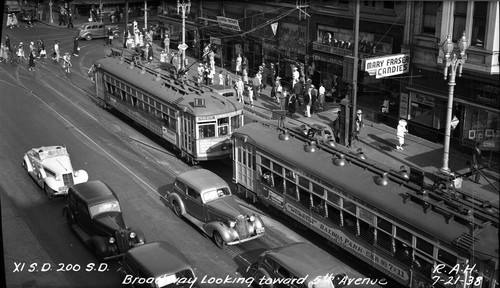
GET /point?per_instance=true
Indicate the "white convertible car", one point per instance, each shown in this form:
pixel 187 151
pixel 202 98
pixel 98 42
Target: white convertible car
pixel 51 169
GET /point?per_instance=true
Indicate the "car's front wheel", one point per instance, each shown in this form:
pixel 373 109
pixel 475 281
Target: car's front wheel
pixel 49 192
pixel 88 37
pixel 218 239
pixel 177 209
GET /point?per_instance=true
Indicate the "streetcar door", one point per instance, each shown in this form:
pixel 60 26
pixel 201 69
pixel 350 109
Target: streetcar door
pixel 99 85
pixel 187 134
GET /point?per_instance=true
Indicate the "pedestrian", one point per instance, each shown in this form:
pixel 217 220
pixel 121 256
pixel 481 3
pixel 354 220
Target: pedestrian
pixel 61 15
pixel 57 54
pixel 70 21
pixel 110 37
pixel 31 63
pixel 250 94
pixel 283 97
pixel 264 73
pixel 357 129
pixel 150 53
pixel 221 78
pixel 7 43
pixel 295 76
pixel 125 38
pixel 477 162
pixel 32 46
pixel 76 47
pixel 67 63
pixel 2 52
pixel 256 86
pixel 314 99
pixel 278 89
pixel 308 102
pixel 229 80
pixel 201 71
pixel 245 75
pixel 321 99
pixel 401 132
pixel 20 53
pixel 9 21
pixel 240 86
pixel 238 64
pixel 166 43
pixel 43 51
pixel 291 103
pixel 336 124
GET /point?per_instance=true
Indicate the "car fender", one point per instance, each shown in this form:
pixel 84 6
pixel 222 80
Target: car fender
pixel 258 223
pixel 175 197
pixel 139 235
pixel 220 227
pixel 99 245
pixel 27 163
pixel 52 183
pixel 83 176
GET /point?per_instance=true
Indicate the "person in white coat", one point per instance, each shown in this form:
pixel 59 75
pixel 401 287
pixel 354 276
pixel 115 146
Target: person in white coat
pixel 401 132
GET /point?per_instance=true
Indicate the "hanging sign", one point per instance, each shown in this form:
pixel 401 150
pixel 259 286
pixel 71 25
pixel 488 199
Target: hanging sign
pixel 228 23
pixel 388 65
pixel 274 26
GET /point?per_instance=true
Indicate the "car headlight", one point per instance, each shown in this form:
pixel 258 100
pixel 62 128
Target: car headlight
pixel 57 178
pixel 111 240
pixel 132 235
pixel 224 147
pixel 252 218
pixel 75 173
pixel 232 223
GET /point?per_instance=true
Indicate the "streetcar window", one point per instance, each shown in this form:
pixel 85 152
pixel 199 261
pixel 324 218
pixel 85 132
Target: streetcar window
pixel 404 235
pixel 318 205
pixel 304 182
pixel 222 130
pixel 207 130
pixel 289 174
pixel 319 190
pixel 304 197
pixel 367 232
pixel 384 225
pixel 350 223
pixel 425 247
pixel 333 214
pixel 384 240
pixel 332 197
pixel 279 186
pixel 403 252
pixel 265 162
pixel 349 206
pixel 291 189
pixel 235 122
pixel 223 125
pixel 447 258
pixel 266 177
pixel 424 265
pixel 277 168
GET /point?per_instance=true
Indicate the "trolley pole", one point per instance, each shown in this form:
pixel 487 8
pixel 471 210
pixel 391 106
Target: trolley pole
pixel 146 15
pixel 183 8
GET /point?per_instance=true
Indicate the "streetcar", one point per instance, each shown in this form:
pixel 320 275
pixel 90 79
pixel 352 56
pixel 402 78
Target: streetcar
pixel 389 219
pixel 196 122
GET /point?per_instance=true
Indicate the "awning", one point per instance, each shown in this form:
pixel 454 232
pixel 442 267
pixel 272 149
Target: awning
pixel 103 2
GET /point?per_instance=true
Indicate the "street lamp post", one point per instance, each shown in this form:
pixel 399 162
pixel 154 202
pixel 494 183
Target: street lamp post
pixel 451 65
pixel 183 8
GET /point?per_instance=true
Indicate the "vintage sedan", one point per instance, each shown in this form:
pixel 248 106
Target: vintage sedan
pixel 94 214
pixel 205 199
pixel 51 169
pixel 157 264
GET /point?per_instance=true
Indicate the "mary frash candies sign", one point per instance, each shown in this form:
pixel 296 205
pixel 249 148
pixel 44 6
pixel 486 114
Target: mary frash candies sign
pixel 388 65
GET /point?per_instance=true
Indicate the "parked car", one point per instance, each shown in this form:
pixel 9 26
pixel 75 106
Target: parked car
pixel 302 263
pixel 12 6
pixel 316 130
pixel 51 169
pixel 205 199
pixel 156 264
pixel 93 213
pixel 223 90
pixel 91 30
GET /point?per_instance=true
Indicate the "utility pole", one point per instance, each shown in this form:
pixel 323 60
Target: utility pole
pixel 126 15
pixel 355 72
pixel 183 8
pixel 146 15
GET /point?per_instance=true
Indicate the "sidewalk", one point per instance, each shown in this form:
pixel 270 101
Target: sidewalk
pixel 377 140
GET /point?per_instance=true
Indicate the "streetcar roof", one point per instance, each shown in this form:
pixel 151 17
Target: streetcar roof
pixel 202 180
pixel 305 259
pixel 167 89
pixel 359 182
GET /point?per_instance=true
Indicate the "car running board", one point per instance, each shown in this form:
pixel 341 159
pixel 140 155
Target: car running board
pixel 81 234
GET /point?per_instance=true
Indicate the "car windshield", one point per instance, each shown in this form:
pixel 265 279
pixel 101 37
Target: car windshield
pixel 216 193
pixel 182 279
pixel 111 206
pixel 60 151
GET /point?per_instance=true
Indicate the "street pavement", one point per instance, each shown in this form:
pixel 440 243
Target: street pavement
pixel 377 140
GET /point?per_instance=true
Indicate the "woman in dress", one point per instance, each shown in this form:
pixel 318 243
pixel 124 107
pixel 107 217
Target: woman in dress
pixel 31 63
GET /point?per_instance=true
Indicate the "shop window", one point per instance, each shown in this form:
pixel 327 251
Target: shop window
pixel 429 17
pixel 333 214
pixel 459 18
pixel 367 232
pixel 479 23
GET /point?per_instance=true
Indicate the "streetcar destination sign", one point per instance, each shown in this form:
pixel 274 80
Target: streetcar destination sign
pixel 388 65
pixel 341 239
